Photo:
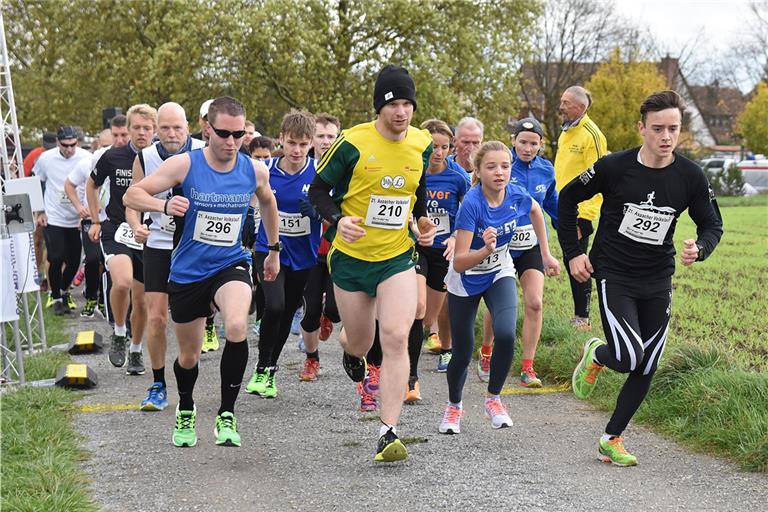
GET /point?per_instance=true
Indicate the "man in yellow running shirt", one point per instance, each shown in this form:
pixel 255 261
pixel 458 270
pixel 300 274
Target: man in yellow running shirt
pixel 375 171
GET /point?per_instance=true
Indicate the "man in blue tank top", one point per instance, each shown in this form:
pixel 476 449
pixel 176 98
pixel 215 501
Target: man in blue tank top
pixel 220 186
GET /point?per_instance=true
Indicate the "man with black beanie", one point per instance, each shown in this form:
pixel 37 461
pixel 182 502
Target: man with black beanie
pixel 376 172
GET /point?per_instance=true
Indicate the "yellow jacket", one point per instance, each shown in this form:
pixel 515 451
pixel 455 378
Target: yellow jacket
pixel 577 149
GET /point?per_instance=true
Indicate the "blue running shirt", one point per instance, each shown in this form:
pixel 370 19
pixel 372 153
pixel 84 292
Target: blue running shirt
pixel 299 235
pixel 444 191
pixel 218 204
pixel 475 215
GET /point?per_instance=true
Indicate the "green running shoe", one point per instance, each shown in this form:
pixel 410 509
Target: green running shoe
pixel 49 301
pixel 258 382
pixel 586 372
pixel 69 301
pixel 210 340
pixel 270 390
pixel 184 431
pixel 390 448
pixel 89 309
pixel 225 430
pixel 613 451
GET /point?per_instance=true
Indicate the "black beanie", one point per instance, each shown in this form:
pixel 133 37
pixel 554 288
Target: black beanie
pixel 393 83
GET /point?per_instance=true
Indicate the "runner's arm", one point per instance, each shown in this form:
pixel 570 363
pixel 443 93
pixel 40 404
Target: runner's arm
pixel 582 187
pixel 140 196
pixel 705 214
pixel 320 197
pixel 132 216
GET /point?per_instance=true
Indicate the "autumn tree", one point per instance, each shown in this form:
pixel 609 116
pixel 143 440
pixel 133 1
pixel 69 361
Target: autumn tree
pixel 618 88
pixel 752 123
pixel 71 58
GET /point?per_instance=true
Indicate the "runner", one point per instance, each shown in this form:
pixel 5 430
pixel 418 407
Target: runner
pixel 290 177
pixel 482 268
pixel 644 191
pixel 537 176
pixel 75 187
pixel 173 135
pixel 209 263
pixel 376 170
pixel 122 254
pixel 447 183
pixel 320 311
pixel 60 219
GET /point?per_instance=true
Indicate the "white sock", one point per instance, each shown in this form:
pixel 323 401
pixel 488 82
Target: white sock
pixel 458 405
pixel 120 330
pixel 384 428
pixel 492 397
pixel 135 347
pixel 606 437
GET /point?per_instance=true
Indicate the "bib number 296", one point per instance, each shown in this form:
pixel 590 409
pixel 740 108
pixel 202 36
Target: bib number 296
pixel 221 229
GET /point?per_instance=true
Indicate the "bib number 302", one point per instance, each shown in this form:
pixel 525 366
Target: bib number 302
pixel 220 229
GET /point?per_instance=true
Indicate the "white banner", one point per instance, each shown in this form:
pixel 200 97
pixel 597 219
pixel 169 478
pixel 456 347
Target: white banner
pixel 8 312
pixel 24 263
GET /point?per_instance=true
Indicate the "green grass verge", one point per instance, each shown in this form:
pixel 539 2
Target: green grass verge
pixel 40 450
pixel 711 390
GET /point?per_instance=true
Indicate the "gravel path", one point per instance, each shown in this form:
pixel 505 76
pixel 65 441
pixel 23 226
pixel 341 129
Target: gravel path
pixel 310 449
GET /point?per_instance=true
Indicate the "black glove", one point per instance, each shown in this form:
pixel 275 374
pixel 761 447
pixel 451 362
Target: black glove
pixel 307 210
pixel 249 229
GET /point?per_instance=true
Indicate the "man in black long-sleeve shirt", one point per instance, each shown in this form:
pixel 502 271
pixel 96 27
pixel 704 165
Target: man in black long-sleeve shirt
pixel 645 190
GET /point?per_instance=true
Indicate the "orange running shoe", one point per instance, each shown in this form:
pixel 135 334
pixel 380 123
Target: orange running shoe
pixel 311 370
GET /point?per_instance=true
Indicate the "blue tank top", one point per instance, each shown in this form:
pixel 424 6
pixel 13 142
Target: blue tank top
pixel 218 204
pixel 299 235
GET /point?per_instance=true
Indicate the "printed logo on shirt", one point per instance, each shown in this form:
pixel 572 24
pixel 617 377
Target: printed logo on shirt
pixel 305 189
pixel 587 175
pixel 541 188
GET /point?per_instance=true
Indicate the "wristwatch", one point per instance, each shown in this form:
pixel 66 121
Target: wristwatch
pixel 277 247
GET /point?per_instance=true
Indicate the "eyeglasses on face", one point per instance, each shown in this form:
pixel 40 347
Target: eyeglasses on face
pixel 224 134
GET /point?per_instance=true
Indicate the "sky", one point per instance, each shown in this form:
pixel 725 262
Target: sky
pixel 677 22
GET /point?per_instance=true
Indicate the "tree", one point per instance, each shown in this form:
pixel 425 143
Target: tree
pixel 569 42
pixel 71 58
pixel 619 87
pixel 752 125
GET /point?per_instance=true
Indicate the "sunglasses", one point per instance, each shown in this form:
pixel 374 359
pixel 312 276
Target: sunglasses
pixel 224 134
pixel 68 145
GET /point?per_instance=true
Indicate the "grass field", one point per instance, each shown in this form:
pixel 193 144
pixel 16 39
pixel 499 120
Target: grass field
pixel 711 391
pixel 40 450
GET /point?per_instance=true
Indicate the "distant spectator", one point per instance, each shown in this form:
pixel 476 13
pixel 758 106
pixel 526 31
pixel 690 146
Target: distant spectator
pixel 49 142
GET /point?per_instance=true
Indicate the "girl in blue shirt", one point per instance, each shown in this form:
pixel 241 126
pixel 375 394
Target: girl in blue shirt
pixel 483 268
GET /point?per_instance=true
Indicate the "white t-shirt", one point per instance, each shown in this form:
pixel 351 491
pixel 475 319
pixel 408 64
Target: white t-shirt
pixel 79 176
pixel 53 169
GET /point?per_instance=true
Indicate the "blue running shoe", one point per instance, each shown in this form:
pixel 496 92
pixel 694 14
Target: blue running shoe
pixel 157 398
pixel 442 362
pixel 300 345
pixel 295 325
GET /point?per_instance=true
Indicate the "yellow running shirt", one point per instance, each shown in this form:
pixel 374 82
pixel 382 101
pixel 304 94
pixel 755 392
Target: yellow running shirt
pixel 375 178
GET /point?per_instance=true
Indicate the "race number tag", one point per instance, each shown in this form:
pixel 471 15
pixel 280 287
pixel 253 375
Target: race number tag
pixel 124 235
pixel 167 224
pixel 221 229
pixel 294 224
pixel 645 226
pixel 491 263
pixel 64 200
pixel 442 222
pixel 387 212
pixel 523 238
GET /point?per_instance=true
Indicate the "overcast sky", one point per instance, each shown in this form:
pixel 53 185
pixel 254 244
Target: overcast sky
pixel 676 22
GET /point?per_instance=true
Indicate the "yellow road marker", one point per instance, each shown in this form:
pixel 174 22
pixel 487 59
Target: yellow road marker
pixel 546 390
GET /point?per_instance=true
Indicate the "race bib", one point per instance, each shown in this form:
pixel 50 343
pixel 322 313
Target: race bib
pixel 645 226
pixel 491 263
pixel 523 238
pixel 442 222
pixel 124 235
pixel 64 200
pixel 221 229
pixel 388 212
pixel 294 224
pixel 167 223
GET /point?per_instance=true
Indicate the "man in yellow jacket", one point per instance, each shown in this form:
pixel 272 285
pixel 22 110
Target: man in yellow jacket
pixel 581 144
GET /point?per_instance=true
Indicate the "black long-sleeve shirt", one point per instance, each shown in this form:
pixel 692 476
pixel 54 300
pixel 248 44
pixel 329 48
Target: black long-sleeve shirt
pixel 639 214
